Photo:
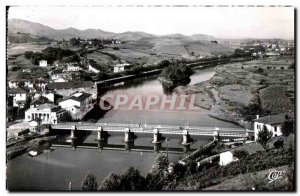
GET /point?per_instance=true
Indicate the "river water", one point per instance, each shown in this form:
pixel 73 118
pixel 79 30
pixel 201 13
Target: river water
pixel 56 169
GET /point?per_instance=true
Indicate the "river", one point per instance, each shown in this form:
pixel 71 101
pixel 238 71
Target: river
pixel 56 169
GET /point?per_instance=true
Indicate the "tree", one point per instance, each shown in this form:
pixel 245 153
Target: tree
pixel 111 183
pixel 264 136
pixel 287 127
pixel 89 182
pixel 240 154
pixel 131 180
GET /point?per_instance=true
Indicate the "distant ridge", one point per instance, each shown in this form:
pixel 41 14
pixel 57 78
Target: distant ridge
pixel 24 26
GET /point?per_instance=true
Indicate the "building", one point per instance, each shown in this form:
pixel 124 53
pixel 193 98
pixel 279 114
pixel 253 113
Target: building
pixel 77 105
pixel 272 122
pixel 46 113
pixel 43 63
pixel 39 101
pixel 92 69
pixel 40 84
pixel 61 77
pixel 120 67
pixel 66 89
pixel 19 97
pixel 71 68
pixel 228 157
pixel 17 129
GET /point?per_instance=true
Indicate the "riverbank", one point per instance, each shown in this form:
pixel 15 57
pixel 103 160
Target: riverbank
pixel 29 143
pixel 236 93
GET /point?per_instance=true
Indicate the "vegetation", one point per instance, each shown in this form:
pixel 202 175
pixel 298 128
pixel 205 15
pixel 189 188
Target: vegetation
pixel 264 136
pixel 130 180
pixel 89 182
pixel 176 73
pixel 49 54
pixel 288 127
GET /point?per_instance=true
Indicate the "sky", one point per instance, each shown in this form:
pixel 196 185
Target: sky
pixel 221 22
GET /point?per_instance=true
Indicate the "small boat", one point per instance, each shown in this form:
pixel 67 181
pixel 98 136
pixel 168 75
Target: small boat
pixel 34 153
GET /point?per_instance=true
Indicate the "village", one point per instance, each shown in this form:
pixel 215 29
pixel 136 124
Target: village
pixel 166 112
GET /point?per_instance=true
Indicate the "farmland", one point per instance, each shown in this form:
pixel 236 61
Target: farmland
pixel 267 83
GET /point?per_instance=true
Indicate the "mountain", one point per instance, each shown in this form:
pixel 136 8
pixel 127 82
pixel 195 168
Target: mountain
pixel 22 26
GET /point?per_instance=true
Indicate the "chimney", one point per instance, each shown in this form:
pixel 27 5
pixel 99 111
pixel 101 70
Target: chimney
pixel 257 116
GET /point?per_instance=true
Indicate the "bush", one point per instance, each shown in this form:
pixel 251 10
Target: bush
pixel 89 182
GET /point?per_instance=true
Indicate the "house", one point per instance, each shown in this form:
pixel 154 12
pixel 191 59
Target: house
pixel 71 68
pixel 17 129
pixel 66 89
pixel 61 77
pixel 47 113
pixel 43 63
pixel 272 122
pixel 40 84
pixel 77 105
pixel 251 148
pixel 19 97
pixel 39 101
pixel 120 67
pixel 93 69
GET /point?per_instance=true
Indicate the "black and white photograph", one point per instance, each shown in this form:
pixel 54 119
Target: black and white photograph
pixel 150 98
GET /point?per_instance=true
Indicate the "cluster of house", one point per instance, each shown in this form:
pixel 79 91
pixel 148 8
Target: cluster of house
pixel 267 48
pixel 43 102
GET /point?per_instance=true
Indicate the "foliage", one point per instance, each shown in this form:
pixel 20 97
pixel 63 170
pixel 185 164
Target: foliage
pixel 278 143
pixel 249 112
pixel 49 54
pixel 288 127
pixel 264 136
pixel 89 182
pixel 130 180
pixel 240 154
pixel 177 73
pixel 111 183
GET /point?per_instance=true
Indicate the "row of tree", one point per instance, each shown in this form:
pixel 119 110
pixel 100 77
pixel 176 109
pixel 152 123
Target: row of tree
pixel 50 54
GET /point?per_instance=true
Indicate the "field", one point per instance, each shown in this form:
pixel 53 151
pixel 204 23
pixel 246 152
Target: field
pixel 17 49
pixel 275 99
pixel 268 83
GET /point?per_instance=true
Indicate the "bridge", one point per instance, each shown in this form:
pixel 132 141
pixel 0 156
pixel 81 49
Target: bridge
pixel 156 130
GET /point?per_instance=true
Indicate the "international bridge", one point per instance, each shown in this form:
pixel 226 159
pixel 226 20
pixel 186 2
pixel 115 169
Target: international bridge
pixel 157 131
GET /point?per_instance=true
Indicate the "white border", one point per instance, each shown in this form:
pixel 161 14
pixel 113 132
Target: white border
pixel 3 3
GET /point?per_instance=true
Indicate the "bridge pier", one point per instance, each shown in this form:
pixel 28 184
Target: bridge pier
pixel 186 148
pixel 186 138
pixel 128 136
pixel 73 143
pixel 73 129
pixel 157 147
pixel 216 136
pixel 100 133
pixel 156 137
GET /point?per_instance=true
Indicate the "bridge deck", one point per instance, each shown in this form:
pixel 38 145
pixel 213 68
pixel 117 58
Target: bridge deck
pixel 149 129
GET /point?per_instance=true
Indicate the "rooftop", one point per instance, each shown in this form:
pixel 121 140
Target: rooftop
pixel 16 91
pixel 40 100
pixel 274 119
pixel 79 96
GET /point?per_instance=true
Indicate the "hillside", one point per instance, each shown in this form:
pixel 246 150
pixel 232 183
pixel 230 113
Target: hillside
pixel 140 46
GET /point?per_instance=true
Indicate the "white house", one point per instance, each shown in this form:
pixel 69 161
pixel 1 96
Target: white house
pixel 93 69
pixel 120 67
pixel 19 97
pixel 228 157
pixel 71 68
pixel 272 122
pixel 46 113
pixel 77 105
pixel 43 63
